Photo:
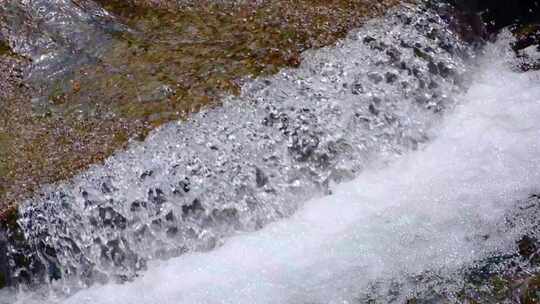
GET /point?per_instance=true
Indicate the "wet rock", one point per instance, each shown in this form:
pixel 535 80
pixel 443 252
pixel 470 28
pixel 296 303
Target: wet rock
pixel 5 49
pixel 57 35
pixel 5 273
pixel 527 35
pixel 527 46
pixel 20 264
pixel 480 20
pixel 527 246
pixel 500 13
pixel 531 292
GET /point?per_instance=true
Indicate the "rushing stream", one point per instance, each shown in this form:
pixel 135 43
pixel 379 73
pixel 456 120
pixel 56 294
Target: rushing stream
pixel 394 154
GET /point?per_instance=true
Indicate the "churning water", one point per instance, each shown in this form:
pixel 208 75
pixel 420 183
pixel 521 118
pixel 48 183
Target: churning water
pixel 310 187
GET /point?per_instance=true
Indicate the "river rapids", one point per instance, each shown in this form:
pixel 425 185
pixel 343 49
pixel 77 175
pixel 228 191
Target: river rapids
pixel 396 154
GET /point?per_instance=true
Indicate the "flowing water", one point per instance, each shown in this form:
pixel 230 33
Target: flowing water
pixel 56 35
pixel 395 154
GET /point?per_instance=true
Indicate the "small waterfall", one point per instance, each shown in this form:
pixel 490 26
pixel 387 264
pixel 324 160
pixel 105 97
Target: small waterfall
pixel 257 159
pixel 395 157
pixel 427 223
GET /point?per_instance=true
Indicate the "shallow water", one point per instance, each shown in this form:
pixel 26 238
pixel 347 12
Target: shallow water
pixel 430 194
pixel 56 35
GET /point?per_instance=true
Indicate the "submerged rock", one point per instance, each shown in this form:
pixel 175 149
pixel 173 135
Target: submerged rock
pixel 56 35
pixel 527 46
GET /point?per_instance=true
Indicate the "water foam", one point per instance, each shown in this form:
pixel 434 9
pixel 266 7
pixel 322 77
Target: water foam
pixel 439 208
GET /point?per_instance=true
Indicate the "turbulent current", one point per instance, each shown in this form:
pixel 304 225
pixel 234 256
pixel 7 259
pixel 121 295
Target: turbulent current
pixel 394 154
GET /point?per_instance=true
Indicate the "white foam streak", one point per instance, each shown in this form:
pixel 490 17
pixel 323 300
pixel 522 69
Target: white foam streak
pixel 428 211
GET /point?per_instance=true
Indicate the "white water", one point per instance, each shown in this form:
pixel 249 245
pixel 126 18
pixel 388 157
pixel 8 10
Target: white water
pixel 428 211
pixel 374 96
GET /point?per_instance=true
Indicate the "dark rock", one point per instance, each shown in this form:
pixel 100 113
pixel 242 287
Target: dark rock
pixel 531 292
pixel 527 35
pixel 20 262
pixel 5 274
pixel 527 46
pixel 528 247
pixel 479 20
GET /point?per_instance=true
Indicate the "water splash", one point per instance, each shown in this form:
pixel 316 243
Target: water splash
pixel 254 160
pixel 436 210
pixel 422 213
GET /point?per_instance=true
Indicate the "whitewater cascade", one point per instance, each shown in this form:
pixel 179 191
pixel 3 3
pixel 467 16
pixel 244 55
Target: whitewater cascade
pixel 351 153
